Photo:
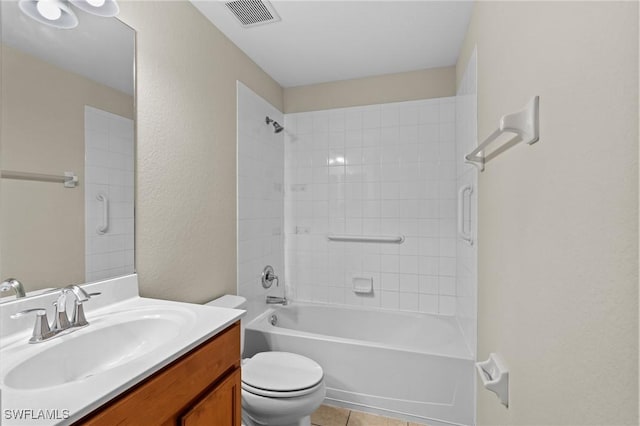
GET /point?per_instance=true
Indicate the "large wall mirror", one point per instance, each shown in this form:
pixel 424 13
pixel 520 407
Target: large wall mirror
pixel 67 107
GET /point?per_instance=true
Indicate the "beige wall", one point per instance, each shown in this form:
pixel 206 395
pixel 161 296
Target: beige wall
pixel 407 86
pixel 558 221
pixel 186 149
pixel 42 224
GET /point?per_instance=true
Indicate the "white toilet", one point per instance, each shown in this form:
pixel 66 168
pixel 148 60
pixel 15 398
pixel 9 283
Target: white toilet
pixel 278 388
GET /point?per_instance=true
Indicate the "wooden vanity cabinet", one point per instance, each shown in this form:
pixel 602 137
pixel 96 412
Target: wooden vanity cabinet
pixel 200 388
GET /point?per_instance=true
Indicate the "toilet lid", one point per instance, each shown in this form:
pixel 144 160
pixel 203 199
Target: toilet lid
pixel 281 372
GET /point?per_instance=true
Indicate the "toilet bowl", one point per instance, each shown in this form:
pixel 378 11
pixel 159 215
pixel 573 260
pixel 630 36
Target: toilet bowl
pixel 278 388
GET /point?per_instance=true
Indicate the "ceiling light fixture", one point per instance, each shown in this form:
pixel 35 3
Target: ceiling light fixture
pixel 54 13
pixel 104 8
pixel 58 14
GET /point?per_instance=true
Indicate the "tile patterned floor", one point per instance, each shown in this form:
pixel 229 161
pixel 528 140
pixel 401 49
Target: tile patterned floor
pixel 333 416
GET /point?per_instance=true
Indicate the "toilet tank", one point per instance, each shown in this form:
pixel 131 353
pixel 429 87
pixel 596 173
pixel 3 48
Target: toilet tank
pixel 229 301
pixel 232 302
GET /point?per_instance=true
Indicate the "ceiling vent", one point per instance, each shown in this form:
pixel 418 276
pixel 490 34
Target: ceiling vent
pixel 251 13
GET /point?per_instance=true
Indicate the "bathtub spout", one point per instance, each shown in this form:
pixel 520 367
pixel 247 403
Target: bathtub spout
pixel 274 300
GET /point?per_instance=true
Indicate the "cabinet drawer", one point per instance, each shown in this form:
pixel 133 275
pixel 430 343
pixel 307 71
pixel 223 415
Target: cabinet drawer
pixel 163 396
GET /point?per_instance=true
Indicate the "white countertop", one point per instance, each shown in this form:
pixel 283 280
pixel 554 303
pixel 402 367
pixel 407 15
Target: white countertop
pixel 67 403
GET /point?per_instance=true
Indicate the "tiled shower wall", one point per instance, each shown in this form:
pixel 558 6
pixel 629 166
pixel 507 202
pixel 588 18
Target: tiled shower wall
pixel 109 163
pixel 260 198
pixel 466 174
pixel 385 169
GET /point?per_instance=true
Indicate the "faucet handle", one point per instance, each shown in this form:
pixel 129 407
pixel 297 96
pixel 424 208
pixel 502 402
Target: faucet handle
pixel 38 311
pixel 79 319
pixel 268 276
pixel 41 329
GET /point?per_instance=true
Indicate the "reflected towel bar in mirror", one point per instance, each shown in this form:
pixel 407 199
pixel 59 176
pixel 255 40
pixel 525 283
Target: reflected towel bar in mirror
pixel 70 179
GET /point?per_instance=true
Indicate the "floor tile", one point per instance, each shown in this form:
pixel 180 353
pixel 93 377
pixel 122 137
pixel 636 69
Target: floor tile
pixel 330 416
pixel 327 415
pixel 357 418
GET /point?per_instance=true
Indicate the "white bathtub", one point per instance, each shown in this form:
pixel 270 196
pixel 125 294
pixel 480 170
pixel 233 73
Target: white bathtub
pixel 413 366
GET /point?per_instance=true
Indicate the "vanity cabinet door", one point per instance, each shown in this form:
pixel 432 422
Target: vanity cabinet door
pixel 220 407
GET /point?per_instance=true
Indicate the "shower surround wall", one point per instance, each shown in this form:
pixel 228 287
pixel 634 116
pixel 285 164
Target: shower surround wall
pixel 109 171
pixel 385 169
pixel 467 175
pixel 260 198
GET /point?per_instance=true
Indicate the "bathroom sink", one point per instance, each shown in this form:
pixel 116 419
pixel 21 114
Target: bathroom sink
pixel 108 342
pixel 129 338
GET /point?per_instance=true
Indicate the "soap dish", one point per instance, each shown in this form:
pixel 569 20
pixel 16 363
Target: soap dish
pixel 362 285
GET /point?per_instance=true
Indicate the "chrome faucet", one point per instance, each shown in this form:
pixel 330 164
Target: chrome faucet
pixel 61 320
pixel 62 324
pixel 13 284
pixel 275 300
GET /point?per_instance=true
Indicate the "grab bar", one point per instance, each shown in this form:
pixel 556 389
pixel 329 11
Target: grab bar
pixel 367 239
pixel 102 229
pixel 466 236
pixel 70 180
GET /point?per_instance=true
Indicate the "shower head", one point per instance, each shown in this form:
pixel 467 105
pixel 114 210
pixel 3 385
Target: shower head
pixel 277 127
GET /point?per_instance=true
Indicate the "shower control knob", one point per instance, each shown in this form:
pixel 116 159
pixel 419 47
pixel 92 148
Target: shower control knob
pixel 268 276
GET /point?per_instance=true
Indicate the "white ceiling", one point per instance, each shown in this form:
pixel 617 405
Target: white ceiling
pixel 101 49
pixel 320 41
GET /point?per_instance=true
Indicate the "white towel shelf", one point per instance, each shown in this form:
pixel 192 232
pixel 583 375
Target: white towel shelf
pixel 367 238
pixel 523 123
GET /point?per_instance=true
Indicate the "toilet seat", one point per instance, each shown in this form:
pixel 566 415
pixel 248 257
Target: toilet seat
pixel 280 375
pixel 278 394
